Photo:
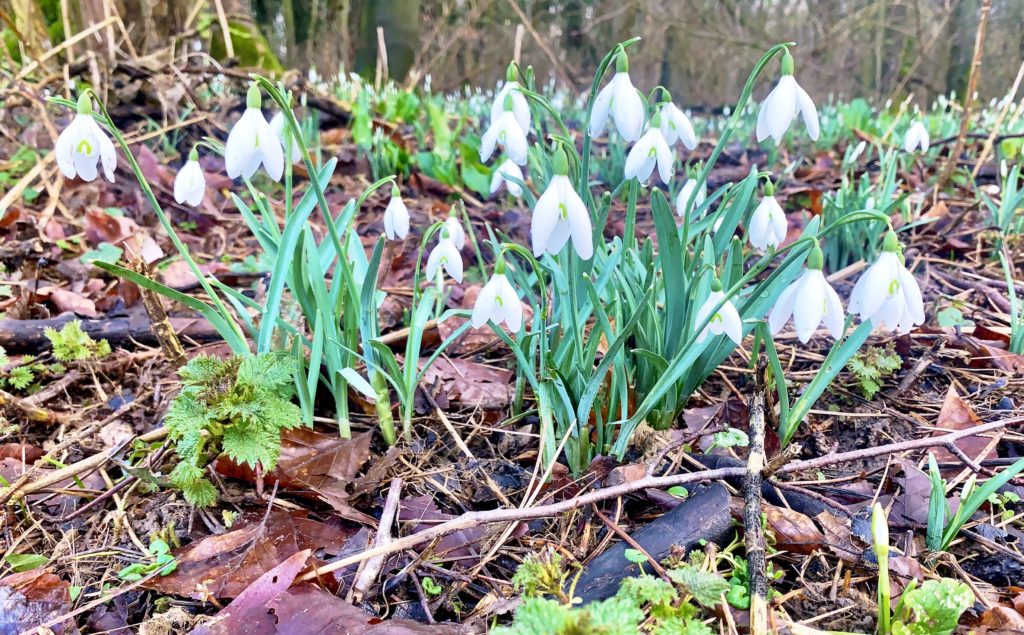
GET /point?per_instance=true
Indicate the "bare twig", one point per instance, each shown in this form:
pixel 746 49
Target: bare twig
pixel 371 568
pixel 753 536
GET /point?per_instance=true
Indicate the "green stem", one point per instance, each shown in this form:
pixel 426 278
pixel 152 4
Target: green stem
pixel 630 233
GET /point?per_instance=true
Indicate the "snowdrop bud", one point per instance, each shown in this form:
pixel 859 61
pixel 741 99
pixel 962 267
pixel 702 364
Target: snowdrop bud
pixel 725 321
pixel 916 137
pixel 887 294
pixel 768 225
pixel 455 229
pixel 500 177
pixel 879 533
pixel 190 182
pixel 620 100
pixel 83 144
pixel 498 301
pixel 396 216
pixel 560 214
pixel 810 300
pixel 782 105
pixel 684 196
pixel 252 142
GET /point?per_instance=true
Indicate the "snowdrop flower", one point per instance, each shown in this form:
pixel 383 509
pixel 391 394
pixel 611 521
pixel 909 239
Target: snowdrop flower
pixel 190 182
pixel 277 124
pixel 499 178
pixel 916 137
pixel 82 144
pixel 781 106
pixel 561 214
pixel 726 321
pixel 498 301
pixel 252 141
pixel 810 300
pixel 446 255
pixel 396 216
pixel 768 222
pixel 676 126
pixel 887 294
pixel 506 131
pixel 455 230
pixel 651 149
pixel 684 196
pixel 520 107
pixel 621 100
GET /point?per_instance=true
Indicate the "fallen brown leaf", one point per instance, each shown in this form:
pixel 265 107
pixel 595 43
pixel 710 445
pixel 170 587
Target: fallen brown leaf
pixel 956 414
pixel 470 383
pixel 31 598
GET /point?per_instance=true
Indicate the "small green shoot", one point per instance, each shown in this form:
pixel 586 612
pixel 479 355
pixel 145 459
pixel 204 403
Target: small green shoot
pixel 872 366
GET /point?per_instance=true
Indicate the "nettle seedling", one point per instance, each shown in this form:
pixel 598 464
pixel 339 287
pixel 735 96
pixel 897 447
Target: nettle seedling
pixel 238 406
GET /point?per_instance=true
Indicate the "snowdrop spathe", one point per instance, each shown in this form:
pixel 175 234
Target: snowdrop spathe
pixel 810 300
pixel 768 222
pixel 499 177
pixel 652 149
pixel 506 132
pixel 676 126
pixel 277 124
pixel 684 196
pixel 887 294
pixel 781 106
pixel 621 101
pixel 916 137
pixel 498 301
pixel 190 182
pixel 83 144
pixel 725 321
pixel 560 214
pixel 252 141
pixel 520 107
pixel 445 255
pixel 396 216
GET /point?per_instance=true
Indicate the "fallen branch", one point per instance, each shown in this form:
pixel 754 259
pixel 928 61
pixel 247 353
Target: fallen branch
pixel 753 533
pixel 28 336
pixel 469 520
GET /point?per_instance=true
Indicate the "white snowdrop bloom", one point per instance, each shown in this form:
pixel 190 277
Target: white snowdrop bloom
pixel 498 302
pixel 190 182
pixel 447 256
pixel 505 131
pixel 277 124
pixel 620 100
pixel 396 216
pixel 810 300
pixel 358 382
pixel 726 321
pixel 252 141
pixel 767 224
pixel 684 196
pixel 781 106
pixel 83 144
pixel 887 294
pixel 506 169
pixel 676 126
pixel 560 214
pixel 455 231
pixel 520 107
pixel 652 149
pixel 916 137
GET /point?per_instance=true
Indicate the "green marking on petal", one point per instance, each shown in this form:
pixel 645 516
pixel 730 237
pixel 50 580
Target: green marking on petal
pixel 563 211
pixel 498 299
pixel 894 287
pixel 84 147
pixel 717 317
pixel 652 153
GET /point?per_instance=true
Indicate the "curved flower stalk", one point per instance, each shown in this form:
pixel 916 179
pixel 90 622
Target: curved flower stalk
pixel 810 300
pixel 676 126
pixel 781 106
pixel 683 198
pixel 445 255
pixel 916 137
pixel 652 149
pixel 277 124
pixel 768 222
pixel 887 294
pixel 508 168
pixel 506 132
pixel 396 216
pixel 252 142
pixel 520 107
pixel 725 321
pixel 83 144
pixel 620 100
pixel 190 181
pixel 560 214
pixel 498 301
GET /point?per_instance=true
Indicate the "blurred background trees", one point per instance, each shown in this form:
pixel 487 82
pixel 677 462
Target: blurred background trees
pixel 871 48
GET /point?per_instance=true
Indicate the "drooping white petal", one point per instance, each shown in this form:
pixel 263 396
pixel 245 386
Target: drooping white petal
pixel 445 254
pixel 641 158
pixel 911 295
pixel 580 226
pixel 485 305
pixel 807 111
pixel 278 124
pixel 665 158
pixel 767 224
pixel 356 381
pixel 270 149
pixel 602 107
pixel 499 177
pixel 65 148
pixel 872 288
pixel 676 126
pixel 916 137
pixel 108 156
pixel 190 184
pixel 546 214
pixel 489 140
pixel 396 219
pixel 781 105
pixel 242 154
pixel 783 308
pixel 520 106
pixel 511 309
pixel 513 138
pixel 731 324
pixel 455 231
pixel 835 317
pixel 627 108
pixel 684 196
pixel 811 299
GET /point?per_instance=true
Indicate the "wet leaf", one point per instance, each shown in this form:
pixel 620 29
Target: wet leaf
pixel 470 383
pixel 956 414
pixel 793 531
pixel 224 565
pixel 66 300
pixel 32 598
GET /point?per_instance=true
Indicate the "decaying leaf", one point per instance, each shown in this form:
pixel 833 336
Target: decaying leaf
pixel 31 598
pixel 956 414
